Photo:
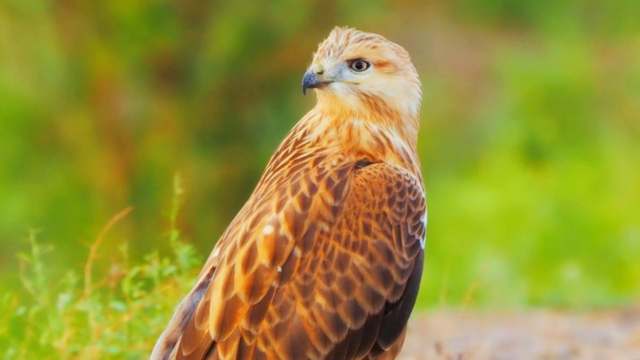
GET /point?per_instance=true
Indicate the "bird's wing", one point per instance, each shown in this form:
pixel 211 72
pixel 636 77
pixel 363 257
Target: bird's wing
pixel 326 265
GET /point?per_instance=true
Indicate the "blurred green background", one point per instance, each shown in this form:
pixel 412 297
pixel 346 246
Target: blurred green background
pixel 530 140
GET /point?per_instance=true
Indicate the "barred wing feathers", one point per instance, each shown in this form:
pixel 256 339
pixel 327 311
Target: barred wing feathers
pixel 324 261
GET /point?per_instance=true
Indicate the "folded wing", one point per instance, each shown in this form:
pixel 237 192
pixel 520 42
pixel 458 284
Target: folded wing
pixel 324 264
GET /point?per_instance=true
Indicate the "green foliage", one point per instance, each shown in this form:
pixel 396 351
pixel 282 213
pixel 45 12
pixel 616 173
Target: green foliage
pixel 536 204
pixel 530 144
pixel 119 317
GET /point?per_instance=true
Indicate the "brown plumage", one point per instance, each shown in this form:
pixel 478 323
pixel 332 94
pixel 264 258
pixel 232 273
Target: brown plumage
pixel 324 260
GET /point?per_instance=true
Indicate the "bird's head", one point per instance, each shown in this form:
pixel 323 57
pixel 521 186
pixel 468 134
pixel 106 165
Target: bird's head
pixel 365 75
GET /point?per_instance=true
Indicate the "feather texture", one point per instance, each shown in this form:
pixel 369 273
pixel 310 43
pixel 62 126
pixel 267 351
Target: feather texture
pixel 324 260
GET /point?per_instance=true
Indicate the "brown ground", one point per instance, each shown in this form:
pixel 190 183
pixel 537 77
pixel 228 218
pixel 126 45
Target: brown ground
pixel 540 334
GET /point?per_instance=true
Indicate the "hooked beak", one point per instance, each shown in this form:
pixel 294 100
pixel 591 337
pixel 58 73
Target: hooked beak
pixel 312 81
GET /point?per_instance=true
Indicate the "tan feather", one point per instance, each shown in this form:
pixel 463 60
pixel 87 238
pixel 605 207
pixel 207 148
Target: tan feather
pixel 324 260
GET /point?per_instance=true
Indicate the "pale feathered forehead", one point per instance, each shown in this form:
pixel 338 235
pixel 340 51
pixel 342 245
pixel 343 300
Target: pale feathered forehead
pixel 348 44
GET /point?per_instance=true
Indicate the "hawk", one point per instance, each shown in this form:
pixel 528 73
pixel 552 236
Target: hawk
pixel 324 260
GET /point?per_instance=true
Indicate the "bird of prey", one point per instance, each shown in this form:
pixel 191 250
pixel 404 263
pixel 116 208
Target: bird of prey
pixel 324 260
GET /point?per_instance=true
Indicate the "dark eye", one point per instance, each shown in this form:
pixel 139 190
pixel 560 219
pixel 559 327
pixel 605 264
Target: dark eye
pixel 359 65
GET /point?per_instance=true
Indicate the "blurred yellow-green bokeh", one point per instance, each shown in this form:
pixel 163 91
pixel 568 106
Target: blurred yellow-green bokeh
pixel 530 140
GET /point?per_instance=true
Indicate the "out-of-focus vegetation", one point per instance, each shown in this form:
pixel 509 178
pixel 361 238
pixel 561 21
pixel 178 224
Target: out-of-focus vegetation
pixel 79 316
pixel 530 147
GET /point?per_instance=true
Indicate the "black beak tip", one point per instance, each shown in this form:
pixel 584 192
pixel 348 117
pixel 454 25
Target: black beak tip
pixel 309 81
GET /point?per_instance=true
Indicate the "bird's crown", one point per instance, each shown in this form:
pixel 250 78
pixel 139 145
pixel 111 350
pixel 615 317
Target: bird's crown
pixel 364 74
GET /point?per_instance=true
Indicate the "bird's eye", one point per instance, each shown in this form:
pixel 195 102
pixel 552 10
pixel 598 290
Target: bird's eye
pixel 359 65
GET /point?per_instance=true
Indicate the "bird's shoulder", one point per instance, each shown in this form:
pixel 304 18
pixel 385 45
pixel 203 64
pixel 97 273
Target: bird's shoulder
pixel 324 242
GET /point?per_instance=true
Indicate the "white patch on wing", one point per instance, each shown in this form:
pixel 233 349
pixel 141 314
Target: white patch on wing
pixel 423 241
pixel 268 230
pixel 296 251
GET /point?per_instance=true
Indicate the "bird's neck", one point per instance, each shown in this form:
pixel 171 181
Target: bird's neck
pixel 361 135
